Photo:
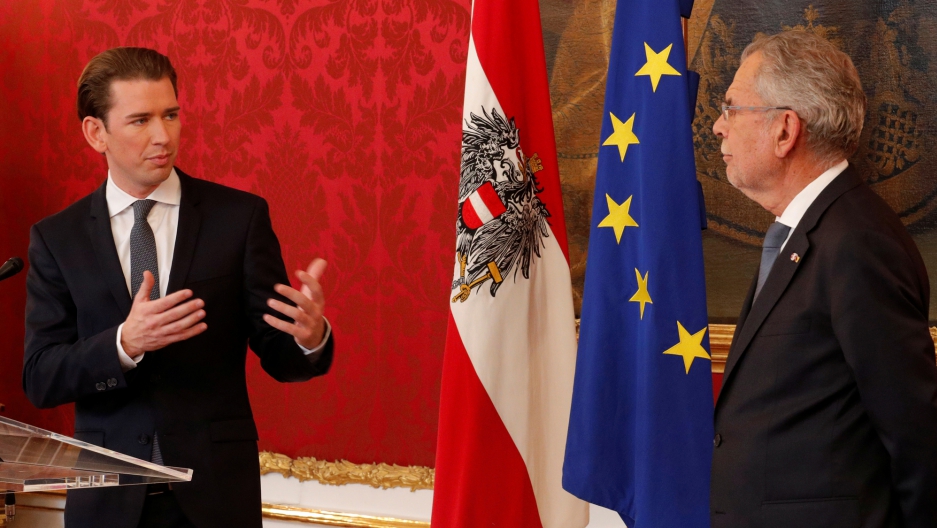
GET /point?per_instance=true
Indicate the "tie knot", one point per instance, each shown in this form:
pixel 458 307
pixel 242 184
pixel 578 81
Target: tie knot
pixel 141 209
pixel 776 235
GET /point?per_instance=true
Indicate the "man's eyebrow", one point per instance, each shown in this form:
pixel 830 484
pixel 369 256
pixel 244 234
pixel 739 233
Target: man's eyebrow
pixel 138 115
pixel 727 100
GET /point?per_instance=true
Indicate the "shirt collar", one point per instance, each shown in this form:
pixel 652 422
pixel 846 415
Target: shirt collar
pixel 169 192
pixel 799 205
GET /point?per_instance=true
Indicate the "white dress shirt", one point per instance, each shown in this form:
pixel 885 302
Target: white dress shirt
pixel 164 221
pixel 805 198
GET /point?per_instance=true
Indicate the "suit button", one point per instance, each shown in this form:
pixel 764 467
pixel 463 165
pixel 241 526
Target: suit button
pixel 100 386
pixel 144 439
pixel 112 382
pixel 717 440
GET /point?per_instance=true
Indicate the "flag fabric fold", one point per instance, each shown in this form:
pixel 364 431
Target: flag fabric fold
pixel 640 433
pixel 511 343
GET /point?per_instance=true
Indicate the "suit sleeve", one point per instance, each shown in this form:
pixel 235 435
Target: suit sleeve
pixel 60 367
pixel 879 314
pixel 279 354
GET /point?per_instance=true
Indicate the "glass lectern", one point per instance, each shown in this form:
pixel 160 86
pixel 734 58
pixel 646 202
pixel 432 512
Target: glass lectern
pixel 33 459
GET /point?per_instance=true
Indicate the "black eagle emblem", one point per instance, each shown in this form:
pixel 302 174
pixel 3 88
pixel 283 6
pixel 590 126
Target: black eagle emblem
pixel 502 222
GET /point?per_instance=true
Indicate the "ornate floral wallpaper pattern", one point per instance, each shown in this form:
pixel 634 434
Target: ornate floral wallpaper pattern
pixel 343 114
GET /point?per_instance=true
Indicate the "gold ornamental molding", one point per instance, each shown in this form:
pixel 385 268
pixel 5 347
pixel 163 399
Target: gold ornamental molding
pixel 720 338
pixel 342 472
pixel 326 518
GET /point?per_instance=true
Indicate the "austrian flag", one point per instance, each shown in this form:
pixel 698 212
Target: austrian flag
pixel 511 342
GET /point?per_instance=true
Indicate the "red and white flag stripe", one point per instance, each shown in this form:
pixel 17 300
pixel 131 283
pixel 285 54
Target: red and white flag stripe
pixel 482 206
pixel 510 358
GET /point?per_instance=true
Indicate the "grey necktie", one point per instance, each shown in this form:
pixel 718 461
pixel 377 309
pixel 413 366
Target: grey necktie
pixel 143 258
pixel 774 238
pixel 143 249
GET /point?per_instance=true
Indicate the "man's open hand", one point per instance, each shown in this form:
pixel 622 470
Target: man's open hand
pixel 308 326
pixel 153 325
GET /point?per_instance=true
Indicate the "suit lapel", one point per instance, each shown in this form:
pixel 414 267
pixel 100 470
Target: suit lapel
pixel 186 233
pixel 778 279
pixel 102 240
pixel 755 313
pixel 746 306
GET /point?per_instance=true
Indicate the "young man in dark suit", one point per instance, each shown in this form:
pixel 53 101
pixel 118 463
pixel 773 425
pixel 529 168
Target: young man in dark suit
pixel 828 412
pixel 142 300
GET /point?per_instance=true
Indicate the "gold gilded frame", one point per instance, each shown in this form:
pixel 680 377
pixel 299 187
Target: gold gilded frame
pixel 344 472
pixel 351 520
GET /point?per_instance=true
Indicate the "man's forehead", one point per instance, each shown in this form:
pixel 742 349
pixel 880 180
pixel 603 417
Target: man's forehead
pixel 143 93
pixel 743 85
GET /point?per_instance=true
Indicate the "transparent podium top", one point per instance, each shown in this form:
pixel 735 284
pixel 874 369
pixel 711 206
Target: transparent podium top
pixel 33 459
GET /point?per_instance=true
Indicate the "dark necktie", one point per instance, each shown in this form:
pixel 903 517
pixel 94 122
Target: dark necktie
pixel 143 249
pixel 143 258
pixel 774 238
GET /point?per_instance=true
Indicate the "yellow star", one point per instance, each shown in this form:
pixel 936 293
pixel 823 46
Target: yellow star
pixel 623 135
pixel 656 65
pixel 690 346
pixel 641 296
pixel 618 217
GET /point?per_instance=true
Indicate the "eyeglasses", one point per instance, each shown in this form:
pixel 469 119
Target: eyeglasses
pixel 726 108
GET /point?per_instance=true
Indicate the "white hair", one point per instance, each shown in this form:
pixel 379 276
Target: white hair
pixel 805 72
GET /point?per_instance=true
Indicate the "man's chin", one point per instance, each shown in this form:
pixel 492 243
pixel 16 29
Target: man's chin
pixel 164 172
pixel 730 177
pixel 155 175
pixel 142 178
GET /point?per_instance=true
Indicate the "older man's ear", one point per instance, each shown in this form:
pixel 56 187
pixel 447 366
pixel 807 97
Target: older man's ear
pixel 789 134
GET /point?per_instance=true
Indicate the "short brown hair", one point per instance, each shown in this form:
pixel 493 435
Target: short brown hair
pixel 806 72
pixel 118 64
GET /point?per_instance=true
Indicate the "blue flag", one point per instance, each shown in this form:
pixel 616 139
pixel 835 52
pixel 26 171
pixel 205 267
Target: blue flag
pixel 640 428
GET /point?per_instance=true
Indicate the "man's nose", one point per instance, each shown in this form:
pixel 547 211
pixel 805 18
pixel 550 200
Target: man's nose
pixel 160 134
pixel 720 126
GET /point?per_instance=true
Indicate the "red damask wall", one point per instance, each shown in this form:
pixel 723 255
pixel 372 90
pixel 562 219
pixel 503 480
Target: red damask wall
pixel 344 114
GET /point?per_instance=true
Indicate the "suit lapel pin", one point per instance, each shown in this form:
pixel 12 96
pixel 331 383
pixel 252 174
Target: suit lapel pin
pixel 795 258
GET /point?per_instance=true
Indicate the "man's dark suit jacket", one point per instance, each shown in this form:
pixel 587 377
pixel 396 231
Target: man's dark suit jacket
pixel 828 412
pixel 192 393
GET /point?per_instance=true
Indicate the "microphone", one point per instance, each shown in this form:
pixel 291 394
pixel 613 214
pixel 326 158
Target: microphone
pixel 11 267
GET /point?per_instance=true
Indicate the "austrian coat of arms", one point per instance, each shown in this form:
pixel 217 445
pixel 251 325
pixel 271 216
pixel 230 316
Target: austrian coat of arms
pixel 502 222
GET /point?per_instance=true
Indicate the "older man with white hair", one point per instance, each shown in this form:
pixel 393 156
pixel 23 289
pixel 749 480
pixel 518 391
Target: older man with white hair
pixel 828 410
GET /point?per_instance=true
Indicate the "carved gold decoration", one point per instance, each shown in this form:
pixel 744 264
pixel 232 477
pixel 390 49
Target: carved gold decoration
pixel 344 472
pixel 326 518
pixel 720 339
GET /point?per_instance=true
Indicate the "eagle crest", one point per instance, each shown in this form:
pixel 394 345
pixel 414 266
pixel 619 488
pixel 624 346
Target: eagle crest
pixel 502 222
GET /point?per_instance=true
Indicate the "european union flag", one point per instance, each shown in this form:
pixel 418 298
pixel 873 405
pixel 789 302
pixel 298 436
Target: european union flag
pixel 640 429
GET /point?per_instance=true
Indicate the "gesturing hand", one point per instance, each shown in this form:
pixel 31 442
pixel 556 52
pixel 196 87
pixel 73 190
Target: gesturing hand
pixel 308 326
pixel 153 325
